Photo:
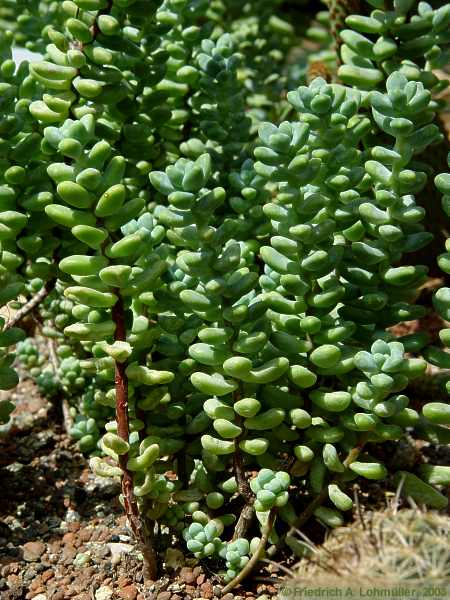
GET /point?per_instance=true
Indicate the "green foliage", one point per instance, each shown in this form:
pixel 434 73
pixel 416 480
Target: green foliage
pixel 203 540
pixel 227 259
pixel 237 556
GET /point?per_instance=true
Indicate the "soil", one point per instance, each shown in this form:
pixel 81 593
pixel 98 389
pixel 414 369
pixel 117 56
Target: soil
pixel 62 531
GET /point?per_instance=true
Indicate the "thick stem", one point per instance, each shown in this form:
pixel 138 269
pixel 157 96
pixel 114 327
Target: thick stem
pixel 244 522
pixel 339 10
pixel 239 473
pixel 246 516
pixel 137 523
pixel 31 304
pixel 255 557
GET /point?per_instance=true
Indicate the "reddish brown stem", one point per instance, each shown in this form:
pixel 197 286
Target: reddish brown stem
pixel 137 524
pixel 247 513
pixel 241 479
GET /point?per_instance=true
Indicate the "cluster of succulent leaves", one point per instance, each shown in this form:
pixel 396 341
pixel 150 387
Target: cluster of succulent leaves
pixel 237 254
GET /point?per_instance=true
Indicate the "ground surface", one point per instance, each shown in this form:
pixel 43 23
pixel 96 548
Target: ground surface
pixel 62 531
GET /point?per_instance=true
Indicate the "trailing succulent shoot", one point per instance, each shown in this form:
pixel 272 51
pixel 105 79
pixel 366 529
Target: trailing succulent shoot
pixel 373 39
pixel 219 282
pixel 411 40
pixel 18 191
pixel 437 414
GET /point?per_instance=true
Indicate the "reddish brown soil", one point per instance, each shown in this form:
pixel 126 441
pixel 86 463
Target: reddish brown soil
pixel 62 531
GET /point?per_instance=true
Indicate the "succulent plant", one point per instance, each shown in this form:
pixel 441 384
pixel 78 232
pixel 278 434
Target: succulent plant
pixel 219 253
pixel 203 540
pixel 237 554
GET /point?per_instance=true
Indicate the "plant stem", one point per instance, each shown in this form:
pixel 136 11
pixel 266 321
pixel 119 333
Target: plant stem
pixel 239 473
pixel 142 535
pixel 255 557
pixel 31 304
pixel 246 516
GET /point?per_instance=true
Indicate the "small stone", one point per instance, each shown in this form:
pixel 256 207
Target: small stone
pixel 69 538
pixel 200 579
pixel 72 517
pixel 229 596
pixel 37 583
pixel 85 535
pixel 117 549
pixel 103 593
pixel 46 575
pixel 164 596
pixel 32 551
pixel 207 590
pixel 69 553
pixel 40 597
pixel 187 575
pixel 129 592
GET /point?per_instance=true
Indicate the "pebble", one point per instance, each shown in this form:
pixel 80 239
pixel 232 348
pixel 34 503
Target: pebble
pixel 46 575
pixel 129 592
pixel 187 575
pixel 69 538
pixel 207 590
pixel 69 554
pixel 103 593
pixel 40 597
pixel 164 596
pixel 32 551
pixel 117 549
pixel 85 535
pixel 72 516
